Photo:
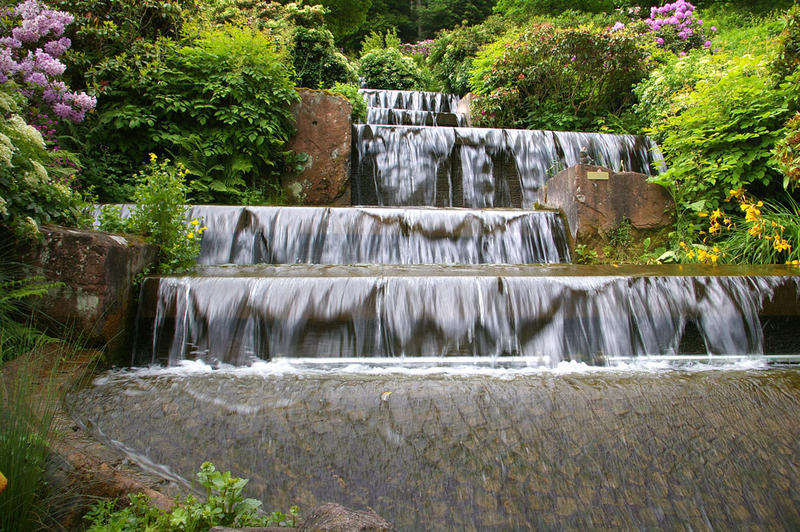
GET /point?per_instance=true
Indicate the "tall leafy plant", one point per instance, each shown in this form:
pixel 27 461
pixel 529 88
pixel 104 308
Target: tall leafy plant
pixel 720 136
pixel 218 103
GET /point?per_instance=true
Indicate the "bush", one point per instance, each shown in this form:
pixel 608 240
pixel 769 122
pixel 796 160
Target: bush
pixel 317 62
pixel 388 68
pixel 220 105
pixel 720 136
pixel 453 52
pixel 676 27
pixel 788 59
pixel 556 78
pixel 30 194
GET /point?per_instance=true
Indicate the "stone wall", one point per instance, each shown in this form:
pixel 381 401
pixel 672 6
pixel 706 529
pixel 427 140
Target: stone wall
pixel 324 132
pixel 96 302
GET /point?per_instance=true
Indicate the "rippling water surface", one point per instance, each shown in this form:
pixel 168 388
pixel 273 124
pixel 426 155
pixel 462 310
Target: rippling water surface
pixel 476 447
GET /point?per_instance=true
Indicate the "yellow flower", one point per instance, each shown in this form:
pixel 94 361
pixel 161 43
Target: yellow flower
pixel 153 157
pixel 202 230
pixel 716 215
pixel 190 236
pixel 195 222
pixel 702 214
pixel 690 254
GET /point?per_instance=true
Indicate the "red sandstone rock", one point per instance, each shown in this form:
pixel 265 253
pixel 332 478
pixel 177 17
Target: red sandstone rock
pixel 97 270
pixel 599 205
pixel 324 132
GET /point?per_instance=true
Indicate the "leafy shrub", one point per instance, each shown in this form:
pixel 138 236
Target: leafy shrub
pixel 105 28
pixel 317 61
pixel 355 98
pixel 388 68
pixel 676 75
pixel 29 194
pixel 720 136
pixel 220 105
pixel 553 78
pixel 224 506
pixel 787 153
pixel 452 53
pixel 788 59
pixel 160 216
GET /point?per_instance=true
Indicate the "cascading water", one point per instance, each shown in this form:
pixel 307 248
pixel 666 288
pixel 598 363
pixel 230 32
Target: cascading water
pixel 444 367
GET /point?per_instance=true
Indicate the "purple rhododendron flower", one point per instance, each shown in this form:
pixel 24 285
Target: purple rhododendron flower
pixel 39 66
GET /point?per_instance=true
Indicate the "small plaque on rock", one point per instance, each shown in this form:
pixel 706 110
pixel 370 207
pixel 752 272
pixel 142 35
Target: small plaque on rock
pixel 597 176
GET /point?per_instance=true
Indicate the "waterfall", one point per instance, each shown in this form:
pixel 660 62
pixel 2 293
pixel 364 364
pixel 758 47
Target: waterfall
pixel 237 316
pixel 320 235
pixel 463 167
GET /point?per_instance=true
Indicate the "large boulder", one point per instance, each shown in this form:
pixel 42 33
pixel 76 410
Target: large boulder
pixel 97 272
pixel 595 200
pixel 324 132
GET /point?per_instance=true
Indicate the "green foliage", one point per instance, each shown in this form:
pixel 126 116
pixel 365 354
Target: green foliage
pixel 676 75
pixel 720 136
pixel 355 98
pixel 220 105
pixel 522 10
pixel 160 216
pixel 16 334
pixel 619 242
pixel 435 15
pixel 584 254
pixel 556 78
pixel 453 52
pixel 33 189
pixel 317 62
pixel 787 153
pixel 104 28
pixel 389 69
pixel 788 58
pixel 378 41
pixel 224 505
pixel 741 32
pixel 344 17
pixel 28 402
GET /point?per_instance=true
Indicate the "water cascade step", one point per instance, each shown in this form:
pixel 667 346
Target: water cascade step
pixel 321 235
pixel 547 314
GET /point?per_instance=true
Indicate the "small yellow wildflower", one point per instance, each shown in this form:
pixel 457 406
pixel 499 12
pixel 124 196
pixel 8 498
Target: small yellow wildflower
pixel 702 214
pixel 190 235
pixel 153 157
pixel 195 222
